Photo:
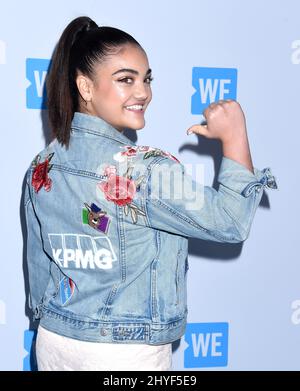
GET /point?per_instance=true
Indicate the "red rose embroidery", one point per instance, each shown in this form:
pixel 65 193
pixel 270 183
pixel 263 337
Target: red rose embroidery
pixel 131 151
pixel 118 189
pixel 144 148
pixel 40 176
pixel 122 189
pixel 171 156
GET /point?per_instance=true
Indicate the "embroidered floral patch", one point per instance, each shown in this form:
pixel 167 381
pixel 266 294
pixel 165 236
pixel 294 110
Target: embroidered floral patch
pixel 159 152
pixel 40 176
pixel 122 189
pixel 132 151
pixel 95 217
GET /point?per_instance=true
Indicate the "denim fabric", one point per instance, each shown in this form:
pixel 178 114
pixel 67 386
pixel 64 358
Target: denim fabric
pixel 108 224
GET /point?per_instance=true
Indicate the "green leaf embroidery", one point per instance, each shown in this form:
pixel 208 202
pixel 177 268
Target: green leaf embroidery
pixel 133 215
pixel 155 152
pixel 129 172
pixel 139 211
pixel 139 180
pixel 126 209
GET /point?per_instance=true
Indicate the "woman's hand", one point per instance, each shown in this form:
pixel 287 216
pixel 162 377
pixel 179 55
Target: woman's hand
pixel 225 121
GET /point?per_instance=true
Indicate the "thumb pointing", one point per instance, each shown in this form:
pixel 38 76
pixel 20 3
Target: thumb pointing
pixel 197 129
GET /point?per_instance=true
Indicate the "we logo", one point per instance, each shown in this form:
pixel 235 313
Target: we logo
pixel 29 361
pixel 211 85
pixel 36 72
pixel 208 345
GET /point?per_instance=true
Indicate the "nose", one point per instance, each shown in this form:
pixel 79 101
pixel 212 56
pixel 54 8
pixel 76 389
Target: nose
pixel 141 91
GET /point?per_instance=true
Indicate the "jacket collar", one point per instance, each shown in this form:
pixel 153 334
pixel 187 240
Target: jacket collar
pixel 95 125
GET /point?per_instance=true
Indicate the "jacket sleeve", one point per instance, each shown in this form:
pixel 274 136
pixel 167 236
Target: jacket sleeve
pixel 178 204
pixel 37 260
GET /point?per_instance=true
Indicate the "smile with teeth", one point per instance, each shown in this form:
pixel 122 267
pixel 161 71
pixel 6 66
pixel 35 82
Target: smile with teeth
pixel 134 108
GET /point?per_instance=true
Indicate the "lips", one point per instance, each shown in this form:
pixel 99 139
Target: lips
pixel 136 110
pixel 136 104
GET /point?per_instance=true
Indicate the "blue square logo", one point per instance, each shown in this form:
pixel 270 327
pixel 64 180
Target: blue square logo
pixel 211 85
pixel 36 72
pixel 208 345
pixel 29 361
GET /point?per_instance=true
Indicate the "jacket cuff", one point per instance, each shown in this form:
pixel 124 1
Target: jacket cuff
pixel 241 180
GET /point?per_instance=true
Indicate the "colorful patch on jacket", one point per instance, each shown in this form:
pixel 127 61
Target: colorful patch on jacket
pixel 40 176
pixel 95 217
pixel 122 189
pixel 66 289
pixel 132 151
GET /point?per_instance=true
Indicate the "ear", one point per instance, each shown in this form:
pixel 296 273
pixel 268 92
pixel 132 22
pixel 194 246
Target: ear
pixel 84 85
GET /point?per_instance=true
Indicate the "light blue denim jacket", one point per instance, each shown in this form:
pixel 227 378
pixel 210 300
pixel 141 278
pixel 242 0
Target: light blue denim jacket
pixel 108 224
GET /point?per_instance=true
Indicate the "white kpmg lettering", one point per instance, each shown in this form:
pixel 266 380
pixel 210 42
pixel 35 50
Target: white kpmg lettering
pixel 102 258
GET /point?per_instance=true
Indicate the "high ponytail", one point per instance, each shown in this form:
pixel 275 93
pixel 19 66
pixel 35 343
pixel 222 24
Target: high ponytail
pixel 81 45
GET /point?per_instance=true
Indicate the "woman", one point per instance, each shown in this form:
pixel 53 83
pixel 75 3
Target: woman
pixel 109 221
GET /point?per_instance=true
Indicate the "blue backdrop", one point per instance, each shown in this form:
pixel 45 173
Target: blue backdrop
pixel 244 299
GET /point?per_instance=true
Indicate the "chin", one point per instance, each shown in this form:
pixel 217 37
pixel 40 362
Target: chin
pixel 135 125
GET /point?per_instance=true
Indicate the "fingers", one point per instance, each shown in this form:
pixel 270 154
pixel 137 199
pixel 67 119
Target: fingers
pixel 219 103
pixel 202 129
pixel 214 105
pixel 225 100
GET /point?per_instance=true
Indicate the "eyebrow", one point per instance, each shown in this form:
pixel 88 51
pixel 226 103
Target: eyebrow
pixel 131 71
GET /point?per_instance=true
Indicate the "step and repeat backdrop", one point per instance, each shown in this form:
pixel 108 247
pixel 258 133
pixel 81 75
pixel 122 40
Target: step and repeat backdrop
pixel 244 299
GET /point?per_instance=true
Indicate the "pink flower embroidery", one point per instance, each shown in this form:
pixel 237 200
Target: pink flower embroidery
pixel 148 151
pixel 171 156
pixel 144 148
pixel 118 189
pixel 110 170
pixel 121 190
pixel 131 151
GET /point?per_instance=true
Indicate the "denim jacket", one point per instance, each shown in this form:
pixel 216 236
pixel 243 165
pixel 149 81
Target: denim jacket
pixel 108 223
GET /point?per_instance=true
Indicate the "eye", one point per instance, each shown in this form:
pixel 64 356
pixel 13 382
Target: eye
pixel 150 78
pixel 124 80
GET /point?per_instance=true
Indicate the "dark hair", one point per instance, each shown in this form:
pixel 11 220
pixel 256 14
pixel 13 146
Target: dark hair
pixel 82 44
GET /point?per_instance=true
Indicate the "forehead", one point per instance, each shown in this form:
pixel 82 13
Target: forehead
pixel 128 56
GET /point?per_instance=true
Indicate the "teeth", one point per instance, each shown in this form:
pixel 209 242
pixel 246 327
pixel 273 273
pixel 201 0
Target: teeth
pixel 134 107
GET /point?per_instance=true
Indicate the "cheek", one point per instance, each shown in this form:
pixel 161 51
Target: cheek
pixel 111 97
pixel 107 93
pixel 120 91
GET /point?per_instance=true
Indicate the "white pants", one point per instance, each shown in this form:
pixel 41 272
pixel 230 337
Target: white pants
pixel 55 352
